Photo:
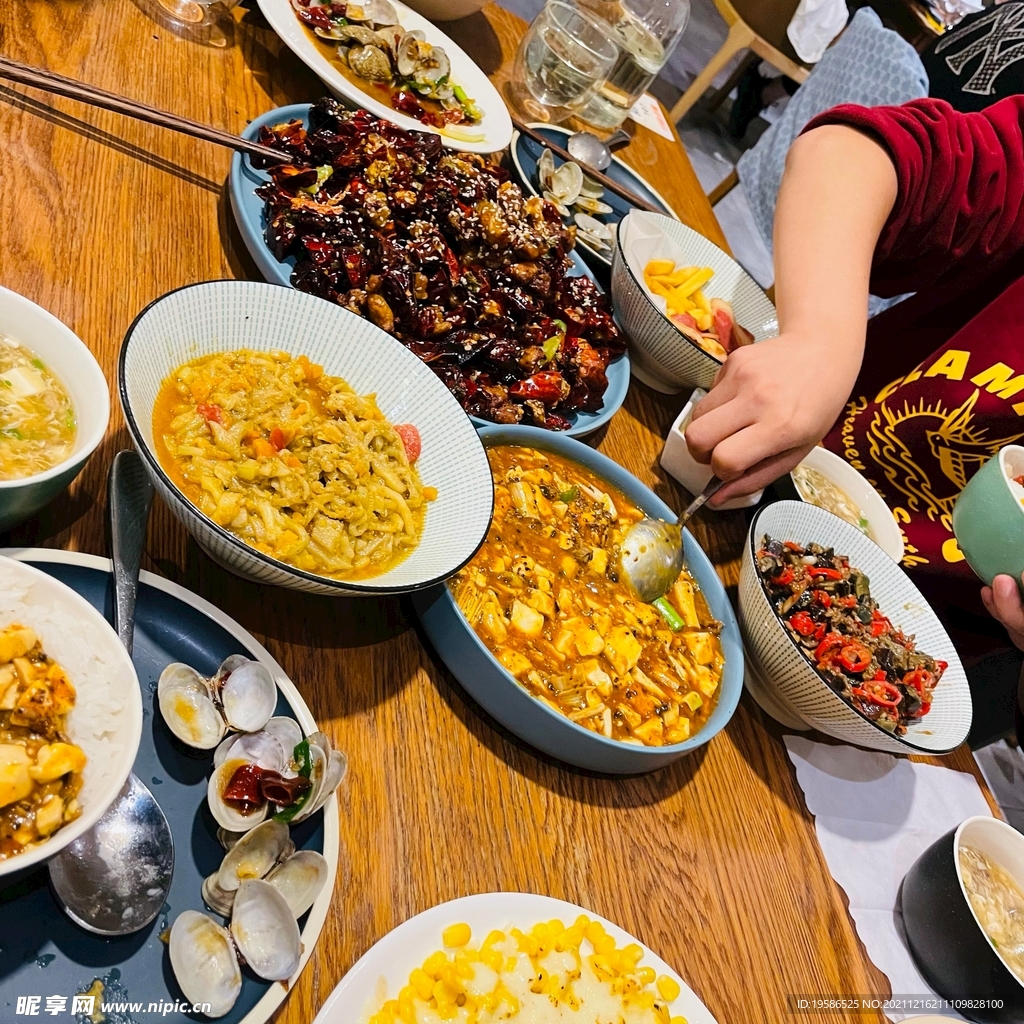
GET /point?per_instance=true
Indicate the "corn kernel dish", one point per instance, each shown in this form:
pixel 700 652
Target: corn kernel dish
pixel 544 976
pixel 292 462
pixel 40 769
pixel 543 594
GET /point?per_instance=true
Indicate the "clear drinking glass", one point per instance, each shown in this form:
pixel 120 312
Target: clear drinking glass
pixel 564 56
pixel 647 32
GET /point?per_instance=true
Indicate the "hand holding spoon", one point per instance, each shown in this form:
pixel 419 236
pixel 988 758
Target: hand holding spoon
pixel 114 879
pixel 651 555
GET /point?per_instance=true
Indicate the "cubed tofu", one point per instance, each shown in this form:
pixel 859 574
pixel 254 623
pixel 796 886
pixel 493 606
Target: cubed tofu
pixel 8 688
pixel 700 647
pixel 706 681
pixel 651 732
pixel 685 602
pixel 598 561
pixel 527 621
pixel 517 664
pixel 56 759
pixel 16 642
pixel 15 781
pixel 622 649
pixel 588 642
pixel 50 815
pixel 543 602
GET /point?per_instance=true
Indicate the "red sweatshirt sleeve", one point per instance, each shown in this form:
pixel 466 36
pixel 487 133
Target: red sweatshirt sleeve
pixel 961 188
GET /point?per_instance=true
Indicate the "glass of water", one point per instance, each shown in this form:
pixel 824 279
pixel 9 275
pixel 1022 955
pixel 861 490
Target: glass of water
pixel 564 56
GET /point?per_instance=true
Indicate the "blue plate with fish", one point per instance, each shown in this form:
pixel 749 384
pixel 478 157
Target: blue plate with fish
pixel 250 215
pixel 45 958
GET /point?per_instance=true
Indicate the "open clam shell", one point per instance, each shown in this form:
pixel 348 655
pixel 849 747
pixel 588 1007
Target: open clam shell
pixel 260 748
pixel 265 930
pixel 299 879
pixel 287 732
pixel 231 816
pixel 249 696
pixel 320 761
pixel 255 854
pixel 592 205
pixel 592 189
pixel 567 183
pixel 546 169
pixel 204 962
pixel 219 901
pixel 187 707
pixel 563 211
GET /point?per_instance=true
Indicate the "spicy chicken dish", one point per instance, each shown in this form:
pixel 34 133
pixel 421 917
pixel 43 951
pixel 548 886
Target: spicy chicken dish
pixel 544 595
pixel 292 462
pixel 440 250
pixel 40 768
pixel 829 611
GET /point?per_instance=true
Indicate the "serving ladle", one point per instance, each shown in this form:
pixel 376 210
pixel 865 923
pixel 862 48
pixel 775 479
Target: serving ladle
pixel 651 554
pixel 114 879
pixel 594 152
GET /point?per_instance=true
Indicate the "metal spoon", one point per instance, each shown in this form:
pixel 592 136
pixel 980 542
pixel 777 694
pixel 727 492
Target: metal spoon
pixel 114 879
pixel 651 555
pixel 589 149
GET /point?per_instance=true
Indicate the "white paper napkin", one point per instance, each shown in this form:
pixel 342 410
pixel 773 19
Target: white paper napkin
pixel 814 25
pixel 643 240
pixel 885 811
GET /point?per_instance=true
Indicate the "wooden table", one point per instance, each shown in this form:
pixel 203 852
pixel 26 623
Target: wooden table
pixel 712 862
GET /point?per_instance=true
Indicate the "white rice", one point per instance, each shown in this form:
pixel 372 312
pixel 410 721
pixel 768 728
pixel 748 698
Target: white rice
pixel 86 654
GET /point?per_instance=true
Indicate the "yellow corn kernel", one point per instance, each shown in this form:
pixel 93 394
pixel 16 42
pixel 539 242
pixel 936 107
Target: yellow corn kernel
pixel 593 931
pixel 493 938
pixel 633 952
pixel 433 964
pixel 422 982
pixel 668 988
pixel 456 935
pixel 679 1020
pixel 603 944
pixel 646 975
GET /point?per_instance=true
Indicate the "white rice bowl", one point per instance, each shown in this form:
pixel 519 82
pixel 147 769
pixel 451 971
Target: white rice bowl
pixel 106 721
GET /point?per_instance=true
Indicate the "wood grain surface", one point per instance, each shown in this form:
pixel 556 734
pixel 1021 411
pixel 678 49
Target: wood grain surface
pixel 712 862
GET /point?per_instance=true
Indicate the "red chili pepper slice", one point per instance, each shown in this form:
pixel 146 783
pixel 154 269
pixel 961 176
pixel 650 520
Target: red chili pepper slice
pixel 848 602
pixel 819 633
pixel 784 577
pixel 821 572
pixel 821 596
pixel 830 641
pixel 244 788
pixel 923 710
pixel 880 675
pixel 855 657
pixel 210 413
pixel 878 628
pixel 802 623
pixel 793 546
pixel 883 694
pixel 921 680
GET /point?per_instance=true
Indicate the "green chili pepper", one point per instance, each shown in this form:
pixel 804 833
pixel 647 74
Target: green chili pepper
pixel 669 614
pixel 322 174
pixel 568 494
pixel 551 347
pixel 301 757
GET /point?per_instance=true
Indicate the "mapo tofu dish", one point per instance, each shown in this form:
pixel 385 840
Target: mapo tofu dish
pixel 40 768
pixel 543 593
pixel 293 462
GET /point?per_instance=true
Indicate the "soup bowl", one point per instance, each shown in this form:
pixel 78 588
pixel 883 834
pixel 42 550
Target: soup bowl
pixel 988 517
pixel 944 934
pixel 538 724
pixel 221 316
pixel 75 367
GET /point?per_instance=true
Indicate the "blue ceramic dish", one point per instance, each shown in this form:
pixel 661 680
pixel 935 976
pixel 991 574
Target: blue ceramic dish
pixel 249 213
pixel 469 660
pixel 525 154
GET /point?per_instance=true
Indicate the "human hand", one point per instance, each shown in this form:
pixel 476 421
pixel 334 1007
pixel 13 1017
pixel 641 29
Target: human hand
pixel 770 405
pixel 1004 603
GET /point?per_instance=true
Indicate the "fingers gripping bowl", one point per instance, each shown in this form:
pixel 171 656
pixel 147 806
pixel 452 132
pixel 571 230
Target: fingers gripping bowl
pixel 229 316
pixel 790 669
pixel 537 709
pixel 105 721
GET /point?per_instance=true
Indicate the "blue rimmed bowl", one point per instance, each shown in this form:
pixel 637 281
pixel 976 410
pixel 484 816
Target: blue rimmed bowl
pixel 497 691
pixel 250 215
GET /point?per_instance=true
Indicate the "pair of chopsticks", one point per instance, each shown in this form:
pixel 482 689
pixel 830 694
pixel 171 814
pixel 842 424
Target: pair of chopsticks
pixel 47 81
pixel 603 179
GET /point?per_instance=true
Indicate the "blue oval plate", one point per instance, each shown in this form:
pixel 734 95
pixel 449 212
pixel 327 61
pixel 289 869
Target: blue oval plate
pixel 42 953
pixel 525 154
pixel 250 215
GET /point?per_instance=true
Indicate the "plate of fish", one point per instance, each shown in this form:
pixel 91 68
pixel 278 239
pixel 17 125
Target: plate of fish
pixel 247 782
pixel 594 210
pixel 386 58
pixel 445 254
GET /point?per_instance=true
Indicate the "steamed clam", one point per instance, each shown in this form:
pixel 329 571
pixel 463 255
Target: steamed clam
pixel 204 961
pixel 577 198
pixel 241 695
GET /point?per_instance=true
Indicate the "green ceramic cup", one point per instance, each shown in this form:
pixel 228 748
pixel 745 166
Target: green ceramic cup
pixel 988 518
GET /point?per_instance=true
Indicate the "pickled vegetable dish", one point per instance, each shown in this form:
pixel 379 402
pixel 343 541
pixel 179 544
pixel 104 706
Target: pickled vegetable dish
pixel 816 489
pixel 544 596
pixel 37 420
pixel 40 768
pixel 828 609
pixel 292 461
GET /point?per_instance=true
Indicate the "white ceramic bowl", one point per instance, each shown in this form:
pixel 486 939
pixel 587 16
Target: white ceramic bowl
pixel 384 969
pixel 220 316
pixel 75 635
pixel 885 531
pixel 76 368
pixel 660 354
pixel 784 668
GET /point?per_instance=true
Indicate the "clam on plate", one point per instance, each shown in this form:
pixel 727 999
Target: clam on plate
pixel 527 158
pixel 496 123
pixel 384 969
pixel 45 954
pixel 250 215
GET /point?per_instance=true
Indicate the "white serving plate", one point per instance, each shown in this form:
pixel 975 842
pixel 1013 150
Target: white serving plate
pixel 384 969
pixel 496 124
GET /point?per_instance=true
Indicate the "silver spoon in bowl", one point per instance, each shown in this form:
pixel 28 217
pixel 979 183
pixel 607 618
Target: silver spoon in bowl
pixel 651 554
pixel 594 152
pixel 114 879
